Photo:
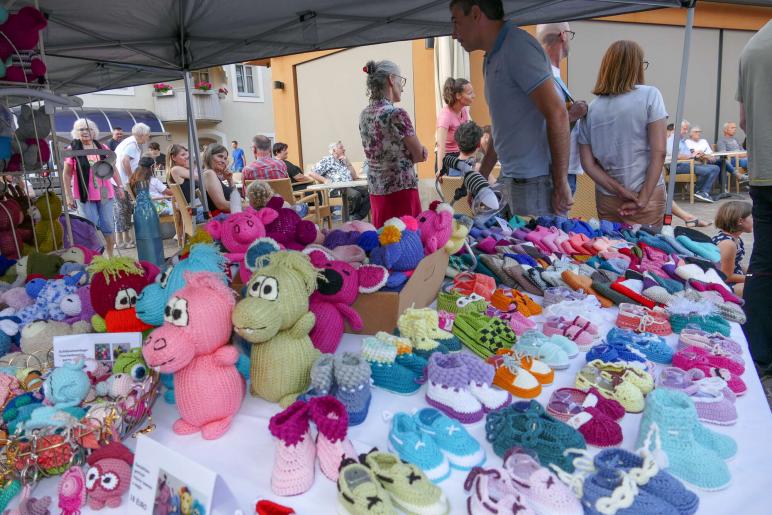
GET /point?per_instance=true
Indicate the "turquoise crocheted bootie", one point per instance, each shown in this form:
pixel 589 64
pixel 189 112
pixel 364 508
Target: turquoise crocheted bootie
pixel 694 453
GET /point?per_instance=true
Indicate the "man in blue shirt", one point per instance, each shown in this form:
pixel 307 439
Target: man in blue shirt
pixel 529 119
pixel 238 157
pixel 706 173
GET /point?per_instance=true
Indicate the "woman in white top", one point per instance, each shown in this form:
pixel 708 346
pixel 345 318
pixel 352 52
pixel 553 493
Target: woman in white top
pixel 622 139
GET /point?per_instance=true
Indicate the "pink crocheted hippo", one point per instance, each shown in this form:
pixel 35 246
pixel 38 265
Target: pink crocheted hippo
pixel 336 290
pixel 289 230
pixel 193 345
pixel 238 231
pixel 436 226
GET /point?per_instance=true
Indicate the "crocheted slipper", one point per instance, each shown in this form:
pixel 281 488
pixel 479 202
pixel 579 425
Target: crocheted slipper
pixel 518 273
pixel 483 335
pixel 560 294
pixel 641 319
pixel 496 265
pixel 536 344
pixel 386 371
pixel 708 394
pixel 584 284
pixel 467 283
pixel 454 302
pixel 352 379
pixel 407 484
pixel 541 371
pixel 611 387
pixel 359 491
pixel 459 447
pixel 715 342
pixel 579 334
pixel 512 377
pixel 332 446
pixel 448 389
pixel 597 428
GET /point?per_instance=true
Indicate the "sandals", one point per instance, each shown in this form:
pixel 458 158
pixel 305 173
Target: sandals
pixel 696 222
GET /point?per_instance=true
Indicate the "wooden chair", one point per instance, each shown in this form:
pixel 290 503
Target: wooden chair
pixel 184 222
pixel 584 198
pixel 448 187
pixel 689 178
pixel 735 160
pixel 318 211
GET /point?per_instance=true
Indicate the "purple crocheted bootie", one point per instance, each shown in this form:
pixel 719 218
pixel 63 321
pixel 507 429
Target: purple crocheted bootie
pixel 481 384
pixel 713 405
pixel 448 388
pixel 294 462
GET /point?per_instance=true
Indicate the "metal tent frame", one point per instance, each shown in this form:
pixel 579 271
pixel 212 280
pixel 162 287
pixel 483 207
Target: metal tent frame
pixel 86 50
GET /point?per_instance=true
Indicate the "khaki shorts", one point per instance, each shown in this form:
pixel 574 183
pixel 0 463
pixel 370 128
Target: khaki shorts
pixel 652 214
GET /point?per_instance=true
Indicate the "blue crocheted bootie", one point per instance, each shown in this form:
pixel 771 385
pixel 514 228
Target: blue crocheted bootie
pixel 352 385
pixel 390 371
pixel 601 487
pixel 694 453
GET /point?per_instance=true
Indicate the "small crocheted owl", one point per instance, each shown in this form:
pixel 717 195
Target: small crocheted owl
pixel 109 475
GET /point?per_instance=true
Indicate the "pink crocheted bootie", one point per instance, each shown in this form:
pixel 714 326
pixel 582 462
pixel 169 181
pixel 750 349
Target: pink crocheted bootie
pixel 293 465
pixel 481 384
pixel 332 446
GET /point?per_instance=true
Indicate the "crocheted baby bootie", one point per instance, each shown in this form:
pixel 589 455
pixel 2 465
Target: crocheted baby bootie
pixel 352 385
pixel 687 459
pixel 398 373
pixel 293 465
pixel 332 446
pixel 322 379
pixel 493 491
pixel 448 389
pixel 713 400
pixel 581 411
pixel 481 381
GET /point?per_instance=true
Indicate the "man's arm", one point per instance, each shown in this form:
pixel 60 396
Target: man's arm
pixel 317 177
pixel 549 103
pixel 489 160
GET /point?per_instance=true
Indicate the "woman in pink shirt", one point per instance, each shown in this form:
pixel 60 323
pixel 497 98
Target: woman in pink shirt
pixel 94 197
pixel 458 95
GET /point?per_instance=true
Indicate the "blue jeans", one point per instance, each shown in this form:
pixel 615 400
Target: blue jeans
pixel 99 213
pixel 572 183
pixel 744 163
pixel 706 175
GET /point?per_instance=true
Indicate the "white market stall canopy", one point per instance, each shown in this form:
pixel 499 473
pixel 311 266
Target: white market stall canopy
pixel 93 46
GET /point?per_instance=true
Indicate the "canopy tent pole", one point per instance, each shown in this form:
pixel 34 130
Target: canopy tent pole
pixel 689 4
pixel 193 142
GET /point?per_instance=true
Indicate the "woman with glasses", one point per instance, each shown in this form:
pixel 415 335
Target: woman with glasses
pixel 390 144
pixel 458 95
pixel 94 197
pixel 622 139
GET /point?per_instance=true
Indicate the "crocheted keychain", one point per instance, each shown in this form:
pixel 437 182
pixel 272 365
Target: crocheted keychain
pixel 72 491
pixel 109 475
pixel 193 344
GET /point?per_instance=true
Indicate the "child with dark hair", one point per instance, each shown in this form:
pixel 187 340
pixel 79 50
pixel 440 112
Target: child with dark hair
pixel 467 136
pixel 732 219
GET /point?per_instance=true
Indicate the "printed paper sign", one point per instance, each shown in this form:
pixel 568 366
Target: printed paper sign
pixel 103 347
pixel 164 481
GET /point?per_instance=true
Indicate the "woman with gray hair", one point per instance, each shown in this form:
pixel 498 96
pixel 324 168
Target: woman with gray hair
pixel 390 144
pixel 94 197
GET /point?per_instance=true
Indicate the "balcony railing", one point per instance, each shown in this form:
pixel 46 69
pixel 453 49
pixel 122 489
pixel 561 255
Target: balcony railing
pixel 170 107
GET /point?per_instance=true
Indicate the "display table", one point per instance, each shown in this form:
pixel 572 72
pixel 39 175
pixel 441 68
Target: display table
pixel 343 187
pixel 244 456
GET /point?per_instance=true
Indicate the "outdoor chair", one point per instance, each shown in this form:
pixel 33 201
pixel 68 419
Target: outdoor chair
pixel 584 198
pixel 689 178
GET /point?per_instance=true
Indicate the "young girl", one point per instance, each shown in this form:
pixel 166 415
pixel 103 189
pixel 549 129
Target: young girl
pixel 160 194
pixel 732 219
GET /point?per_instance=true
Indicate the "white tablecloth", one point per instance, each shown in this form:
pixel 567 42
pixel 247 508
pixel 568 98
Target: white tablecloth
pixel 244 457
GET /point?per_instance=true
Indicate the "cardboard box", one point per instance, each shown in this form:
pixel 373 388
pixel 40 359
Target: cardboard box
pixel 380 310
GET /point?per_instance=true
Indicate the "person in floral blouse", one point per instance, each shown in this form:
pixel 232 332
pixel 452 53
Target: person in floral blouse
pixel 390 145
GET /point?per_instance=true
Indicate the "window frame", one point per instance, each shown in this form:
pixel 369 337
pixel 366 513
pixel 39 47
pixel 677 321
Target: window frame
pixel 257 81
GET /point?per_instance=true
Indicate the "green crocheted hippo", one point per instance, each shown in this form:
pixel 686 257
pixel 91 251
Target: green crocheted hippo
pixel 273 316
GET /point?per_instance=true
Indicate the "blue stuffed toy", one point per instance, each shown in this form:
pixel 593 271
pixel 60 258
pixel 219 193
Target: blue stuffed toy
pixel 65 389
pixel 400 250
pixel 9 331
pixel 151 303
pixel 48 298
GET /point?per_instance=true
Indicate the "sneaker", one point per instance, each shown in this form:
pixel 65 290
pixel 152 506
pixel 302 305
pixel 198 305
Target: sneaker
pixel 417 447
pixel 360 493
pixel 542 490
pixel 493 491
pixel 701 195
pixel 536 344
pixel 397 373
pixel 448 389
pixel 408 486
pixel 462 451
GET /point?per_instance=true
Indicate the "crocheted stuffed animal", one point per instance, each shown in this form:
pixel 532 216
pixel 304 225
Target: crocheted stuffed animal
pixel 21 32
pixel 77 306
pixel 288 229
pixel 457 237
pixel 29 144
pixel 152 301
pixel 16 298
pixel 79 254
pixel 48 229
pixel 193 344
pixel 37 338
pixel 238 231
pixel 115 285
pixel 9 331
pixel 49 299
pixel 109 475
pixel 435 226
pixel 64 389
pixel 336 290
pixel 274 317
pixel 37 264
pixel 400 251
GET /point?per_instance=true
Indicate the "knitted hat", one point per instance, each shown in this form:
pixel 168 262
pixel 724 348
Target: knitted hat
pixel 401 248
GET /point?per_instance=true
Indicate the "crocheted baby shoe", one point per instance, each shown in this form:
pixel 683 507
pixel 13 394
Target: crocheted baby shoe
pixel 493 491
pixel 513 377
pixel 611 387
pixel 616 352
pixel 583 333
pixel 661 484
pixel 352 385
pixel 407 485
pixel 483 335
pixel 653 347
pixel 715 342
pixel 637 376
pixel 417 447
pixel 610 490
pixel 360 492
pixel 322 378
pixel 542 490
pixel 597 428
pixel 422 328
pixel 642 319
pixel 536 344
pixel 566 402
pixel 710 365
pixel 331 420
pixel 525 424
pixel 480 383
pixel 713 405
pixel 560 294
pixel 687 458
pixel 454 302
pixel 385 371
pixel 448 389
pixel 462 451
pixel 293 465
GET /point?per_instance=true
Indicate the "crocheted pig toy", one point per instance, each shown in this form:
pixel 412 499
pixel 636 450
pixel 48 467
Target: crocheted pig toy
pixel 273 316
pixel 336 290
pixel 435 226
pixel 152 301
pixel 109 475
pixel 115 285
pixel 289 230
pixel 193 344
pixel 238 231
pixel 400 251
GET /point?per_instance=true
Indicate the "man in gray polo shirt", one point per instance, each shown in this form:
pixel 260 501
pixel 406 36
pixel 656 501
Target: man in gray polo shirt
pixel 530 121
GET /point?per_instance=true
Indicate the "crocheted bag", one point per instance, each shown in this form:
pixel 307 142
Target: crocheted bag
pixel 193 344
